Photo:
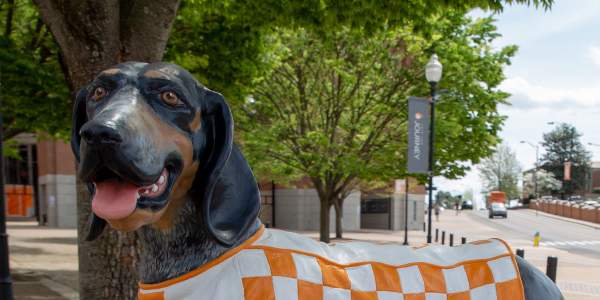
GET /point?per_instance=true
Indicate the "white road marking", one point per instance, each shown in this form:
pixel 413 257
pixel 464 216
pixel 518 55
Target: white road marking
pixel 570 243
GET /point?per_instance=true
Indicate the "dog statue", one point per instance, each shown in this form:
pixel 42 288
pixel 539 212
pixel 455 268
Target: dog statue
pixel 156 151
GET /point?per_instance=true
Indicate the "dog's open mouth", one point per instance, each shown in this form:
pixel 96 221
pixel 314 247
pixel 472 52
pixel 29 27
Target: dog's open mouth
pixel 115 198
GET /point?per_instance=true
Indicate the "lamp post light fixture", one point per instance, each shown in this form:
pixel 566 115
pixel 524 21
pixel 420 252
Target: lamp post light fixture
pixel 433 73
pixel 537 165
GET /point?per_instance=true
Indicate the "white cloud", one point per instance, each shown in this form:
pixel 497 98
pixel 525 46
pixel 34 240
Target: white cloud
pixel 528 95
pixel 594 54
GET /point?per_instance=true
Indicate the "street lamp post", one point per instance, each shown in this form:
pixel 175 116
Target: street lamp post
pixel 536 168
pixel 5 280
pixel 433 73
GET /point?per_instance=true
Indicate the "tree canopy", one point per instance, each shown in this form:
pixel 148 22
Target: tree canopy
pixel 33 90
pixel 561 145
pixel 501 172
pixel 547 184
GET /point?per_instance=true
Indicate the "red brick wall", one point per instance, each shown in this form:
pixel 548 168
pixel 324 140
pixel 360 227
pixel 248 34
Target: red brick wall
pixel 55 157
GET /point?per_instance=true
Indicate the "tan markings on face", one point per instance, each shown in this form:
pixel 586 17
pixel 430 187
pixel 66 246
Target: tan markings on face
pixel 156 74
pixel 195 124
pixel 112 71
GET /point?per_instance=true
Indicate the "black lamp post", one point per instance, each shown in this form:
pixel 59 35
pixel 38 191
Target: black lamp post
pixel 433 73
pixel 5 280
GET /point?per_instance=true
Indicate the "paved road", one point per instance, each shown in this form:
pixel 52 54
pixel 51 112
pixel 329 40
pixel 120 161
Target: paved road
pixel 556 233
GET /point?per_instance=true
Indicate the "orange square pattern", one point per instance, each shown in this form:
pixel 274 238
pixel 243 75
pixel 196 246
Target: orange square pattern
pixel 258 288
pixel 309 291
pixel 461 296
pixel 386 278
pixel 281 263
pixel 358 295
pixel 433 278
pixel 508 289
pixel 334 276
pixel 479 274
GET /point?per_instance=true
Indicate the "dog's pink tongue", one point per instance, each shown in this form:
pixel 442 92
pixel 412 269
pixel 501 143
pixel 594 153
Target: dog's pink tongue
pixel 114 199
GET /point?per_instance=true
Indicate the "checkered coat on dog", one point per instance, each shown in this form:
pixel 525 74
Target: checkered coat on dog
pixel 281 265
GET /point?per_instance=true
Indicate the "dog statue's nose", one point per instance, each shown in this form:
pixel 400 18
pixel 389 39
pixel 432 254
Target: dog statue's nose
pixel 95 133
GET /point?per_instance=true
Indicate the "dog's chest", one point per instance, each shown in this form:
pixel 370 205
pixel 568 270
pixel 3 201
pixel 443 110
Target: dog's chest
pixel 280 265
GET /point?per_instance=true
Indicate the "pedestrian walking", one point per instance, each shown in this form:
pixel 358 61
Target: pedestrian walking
pixel 436 210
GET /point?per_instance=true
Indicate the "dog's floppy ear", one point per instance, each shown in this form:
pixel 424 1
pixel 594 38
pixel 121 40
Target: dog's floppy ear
pixel 79 118
pixel 226 185
pixel 96 224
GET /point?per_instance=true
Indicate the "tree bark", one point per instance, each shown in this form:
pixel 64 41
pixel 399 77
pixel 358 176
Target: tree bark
pixel 324 228
pixel 339 213
pixel 93 36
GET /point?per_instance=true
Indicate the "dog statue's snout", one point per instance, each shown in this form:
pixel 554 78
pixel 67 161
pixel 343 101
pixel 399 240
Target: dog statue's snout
pixel 100 134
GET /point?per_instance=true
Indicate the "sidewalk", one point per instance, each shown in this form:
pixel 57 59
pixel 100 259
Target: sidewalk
pixel 43 262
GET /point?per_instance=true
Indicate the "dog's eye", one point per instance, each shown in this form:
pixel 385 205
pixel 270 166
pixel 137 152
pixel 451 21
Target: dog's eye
pixel 170 98
pixel 99 93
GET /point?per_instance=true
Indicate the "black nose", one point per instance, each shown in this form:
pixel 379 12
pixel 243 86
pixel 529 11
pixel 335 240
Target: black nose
pixel 95 133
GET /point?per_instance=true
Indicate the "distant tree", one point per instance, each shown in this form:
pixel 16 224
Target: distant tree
pixel 562 145
pixel 447 199
pixel 500 171
pixel 546 182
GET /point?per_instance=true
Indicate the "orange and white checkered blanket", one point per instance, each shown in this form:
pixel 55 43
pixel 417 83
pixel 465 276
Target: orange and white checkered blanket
pixel 280 265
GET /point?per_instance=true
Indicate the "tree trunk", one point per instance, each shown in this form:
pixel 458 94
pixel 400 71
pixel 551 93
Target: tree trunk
pixel 339 213
pixel 93 36
pixel 324 228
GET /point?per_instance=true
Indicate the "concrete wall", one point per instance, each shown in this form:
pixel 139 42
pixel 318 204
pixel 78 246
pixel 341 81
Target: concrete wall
pixel 395 219
pixel 298 209
pixel 56 184
pixel 416 207
pixel 58 200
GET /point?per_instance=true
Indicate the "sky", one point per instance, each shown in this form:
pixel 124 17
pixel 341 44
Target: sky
pixel 554 77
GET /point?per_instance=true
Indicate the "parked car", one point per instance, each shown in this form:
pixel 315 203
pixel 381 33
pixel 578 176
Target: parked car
pixel 497 209
pixel 575 198
pixel 467 204
pixel 549 198
pixel 514 203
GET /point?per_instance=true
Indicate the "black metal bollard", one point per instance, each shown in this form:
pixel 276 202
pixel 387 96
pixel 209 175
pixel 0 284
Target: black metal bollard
pixel 551 267
pixel 424 227
pixel 443 237
pixel 436 234
pixel 451 240
pixel 463 240
pixel 521 253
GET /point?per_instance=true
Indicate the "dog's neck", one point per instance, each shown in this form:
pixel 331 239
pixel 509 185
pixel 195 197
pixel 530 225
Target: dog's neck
pixel 187 245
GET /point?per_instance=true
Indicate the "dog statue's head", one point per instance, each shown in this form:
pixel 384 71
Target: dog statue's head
pixel 148 137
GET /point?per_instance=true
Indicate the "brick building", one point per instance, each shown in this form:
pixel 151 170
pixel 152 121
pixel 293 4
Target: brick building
pixel 41 182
